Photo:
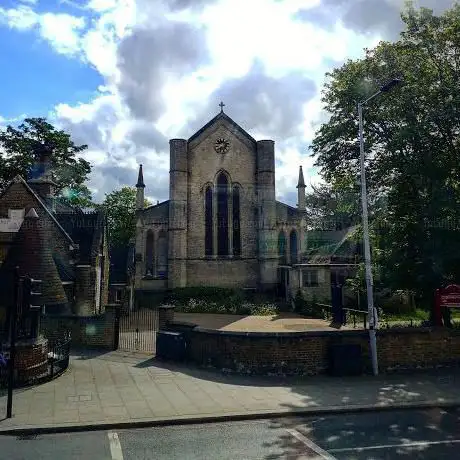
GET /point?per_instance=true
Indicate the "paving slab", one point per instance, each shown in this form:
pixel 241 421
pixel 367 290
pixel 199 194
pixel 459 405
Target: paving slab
pixel 134 389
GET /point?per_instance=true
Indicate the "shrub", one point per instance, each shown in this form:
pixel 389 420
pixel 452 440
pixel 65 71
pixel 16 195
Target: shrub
pixel 232 305
pixel 266 309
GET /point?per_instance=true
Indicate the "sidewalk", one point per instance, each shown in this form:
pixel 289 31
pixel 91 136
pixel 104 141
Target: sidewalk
pixel 118 389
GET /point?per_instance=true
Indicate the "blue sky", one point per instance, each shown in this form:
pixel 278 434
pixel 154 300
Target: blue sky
pixel 34 78
pixel 124 76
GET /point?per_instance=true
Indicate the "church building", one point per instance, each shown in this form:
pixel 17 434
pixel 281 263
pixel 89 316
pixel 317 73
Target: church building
pixel 222 225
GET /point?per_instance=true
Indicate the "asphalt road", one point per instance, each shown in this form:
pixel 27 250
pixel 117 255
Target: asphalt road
pixel 429 434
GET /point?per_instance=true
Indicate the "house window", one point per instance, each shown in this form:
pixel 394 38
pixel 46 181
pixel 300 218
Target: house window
pixel 222 216
pixel 310 278
pixel 208 222
pixel 236 222
pixel 149 253
pixel 118 295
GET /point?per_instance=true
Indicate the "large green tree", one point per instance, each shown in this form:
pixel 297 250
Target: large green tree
pixel 412 140
pixel 120 208
pixel 334 205
pixel 22 147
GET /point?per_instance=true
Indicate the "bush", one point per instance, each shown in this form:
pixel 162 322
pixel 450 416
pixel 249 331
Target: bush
pixel 232 306
pixel 397 303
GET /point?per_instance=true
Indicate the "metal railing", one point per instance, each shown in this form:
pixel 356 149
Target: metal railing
pixel 350 314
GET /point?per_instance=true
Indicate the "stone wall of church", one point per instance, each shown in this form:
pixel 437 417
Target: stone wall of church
pixel 223 273
pixel 204 164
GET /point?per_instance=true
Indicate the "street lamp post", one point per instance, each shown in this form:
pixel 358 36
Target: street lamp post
pixel 372 312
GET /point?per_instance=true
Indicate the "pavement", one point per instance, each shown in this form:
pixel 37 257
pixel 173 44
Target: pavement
pixel 122 390
pixel 430 434
pixel 282 322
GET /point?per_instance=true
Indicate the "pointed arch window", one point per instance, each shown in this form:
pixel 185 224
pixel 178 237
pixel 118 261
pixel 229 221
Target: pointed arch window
pixel 222 216
pixel 236 222
pixel 282 247
pixel 208 222
pixel 149 262
pixel 293 246
pixel 162 251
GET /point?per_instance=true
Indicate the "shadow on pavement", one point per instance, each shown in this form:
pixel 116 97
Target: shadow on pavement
pixel 382 435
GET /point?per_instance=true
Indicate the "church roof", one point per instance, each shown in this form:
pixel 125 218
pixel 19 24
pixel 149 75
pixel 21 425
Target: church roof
pixel 331 246
pixel 286 213
pixel 225 117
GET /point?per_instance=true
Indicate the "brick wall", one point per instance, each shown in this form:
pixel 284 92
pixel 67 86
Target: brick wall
pixel 31 359
pixel 86 331
pixel 307 353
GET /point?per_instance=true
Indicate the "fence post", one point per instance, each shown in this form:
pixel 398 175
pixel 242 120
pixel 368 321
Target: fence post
pixel 52 362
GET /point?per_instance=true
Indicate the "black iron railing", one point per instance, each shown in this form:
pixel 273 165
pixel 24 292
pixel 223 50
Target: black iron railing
pixel 350 314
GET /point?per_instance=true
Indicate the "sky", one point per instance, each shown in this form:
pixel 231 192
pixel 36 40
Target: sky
pixel 125 76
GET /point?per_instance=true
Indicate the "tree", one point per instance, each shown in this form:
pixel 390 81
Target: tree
pixel 120 208
pixel 412 136
pixel 21 149
pixel 334 206
pixel 79 196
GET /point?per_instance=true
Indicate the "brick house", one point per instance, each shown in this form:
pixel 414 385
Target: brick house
pixel 75 238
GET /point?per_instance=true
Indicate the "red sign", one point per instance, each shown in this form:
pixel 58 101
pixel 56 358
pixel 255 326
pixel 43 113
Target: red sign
pixel 450 296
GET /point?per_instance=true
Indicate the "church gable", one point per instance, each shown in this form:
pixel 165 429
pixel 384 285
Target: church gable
pixel 222 124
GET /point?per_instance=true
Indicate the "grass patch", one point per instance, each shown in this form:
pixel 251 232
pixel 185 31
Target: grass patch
pixel 416 315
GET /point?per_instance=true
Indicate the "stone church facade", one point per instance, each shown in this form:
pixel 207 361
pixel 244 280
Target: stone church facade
pixel 222 225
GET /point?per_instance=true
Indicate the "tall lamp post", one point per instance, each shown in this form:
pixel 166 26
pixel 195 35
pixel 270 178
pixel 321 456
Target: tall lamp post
pixel 372 312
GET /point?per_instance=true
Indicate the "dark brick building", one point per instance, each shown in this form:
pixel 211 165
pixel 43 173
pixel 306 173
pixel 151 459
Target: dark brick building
pixel 69 251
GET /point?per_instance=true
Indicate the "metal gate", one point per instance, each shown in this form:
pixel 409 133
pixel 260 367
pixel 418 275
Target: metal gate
pixel 138 330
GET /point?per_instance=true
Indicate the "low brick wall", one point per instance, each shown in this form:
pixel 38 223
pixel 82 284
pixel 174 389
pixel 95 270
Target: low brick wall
pixel 307 352
pixel 86 331
pixel 31 359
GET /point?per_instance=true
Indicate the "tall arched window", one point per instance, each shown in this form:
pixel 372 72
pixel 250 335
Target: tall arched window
pixel 236 222
pixel 282 247
pixel 162 252
pixel 293 245
pixel 208 222
pixel 149 262
pixel 222 215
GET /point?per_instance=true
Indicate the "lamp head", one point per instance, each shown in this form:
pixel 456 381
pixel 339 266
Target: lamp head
pixel 391 84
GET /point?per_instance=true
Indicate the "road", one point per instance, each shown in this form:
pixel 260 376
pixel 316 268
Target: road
pixel 429 434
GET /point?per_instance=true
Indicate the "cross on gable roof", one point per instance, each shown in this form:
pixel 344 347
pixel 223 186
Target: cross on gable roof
pixel 225 117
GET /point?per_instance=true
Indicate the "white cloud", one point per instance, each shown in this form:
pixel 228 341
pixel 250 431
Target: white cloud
pixel 21 18
pixel 167 63
pixel 62 31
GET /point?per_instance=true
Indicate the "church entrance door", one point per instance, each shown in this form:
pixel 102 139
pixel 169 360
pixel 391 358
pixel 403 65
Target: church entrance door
pixel 138 330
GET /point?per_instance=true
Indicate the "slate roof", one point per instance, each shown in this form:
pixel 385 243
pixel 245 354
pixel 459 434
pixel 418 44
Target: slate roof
pixel 33 256
pixel 82 228
pixel 284 212
pixel 336 246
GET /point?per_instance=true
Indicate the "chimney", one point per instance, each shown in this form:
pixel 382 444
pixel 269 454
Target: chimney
pixel 43 183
